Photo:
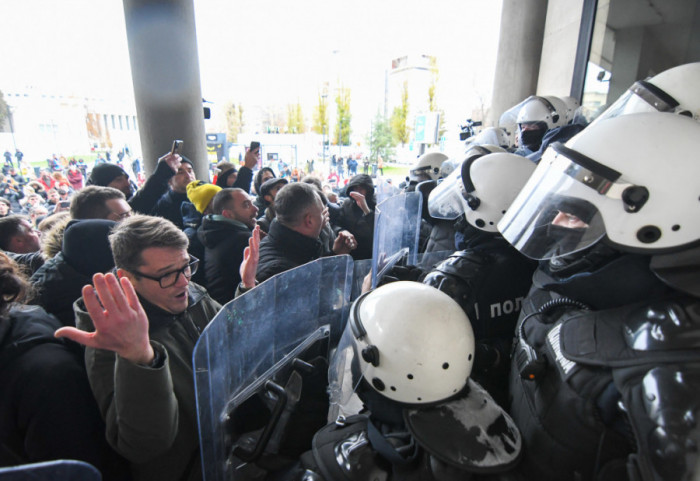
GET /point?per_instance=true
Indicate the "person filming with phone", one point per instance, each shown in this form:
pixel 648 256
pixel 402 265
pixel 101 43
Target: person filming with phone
pixel 144 200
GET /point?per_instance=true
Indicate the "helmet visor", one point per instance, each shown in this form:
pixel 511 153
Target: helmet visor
pixel 641 97
pixel 445 200
pixel 346 369
pixel 553 215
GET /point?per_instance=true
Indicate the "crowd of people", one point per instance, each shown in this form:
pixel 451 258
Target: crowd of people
pixel 556 340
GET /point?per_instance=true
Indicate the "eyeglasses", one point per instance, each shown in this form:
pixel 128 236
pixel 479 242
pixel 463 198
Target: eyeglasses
pixel 169 279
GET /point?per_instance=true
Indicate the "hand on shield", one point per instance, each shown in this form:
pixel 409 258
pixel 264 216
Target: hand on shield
pixel 344 243
pixel 121 325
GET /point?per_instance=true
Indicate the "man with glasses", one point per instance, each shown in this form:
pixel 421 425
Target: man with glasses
pixel 140 328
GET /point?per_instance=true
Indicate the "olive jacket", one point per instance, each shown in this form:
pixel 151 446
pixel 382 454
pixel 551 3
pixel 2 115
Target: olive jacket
pixel 150 411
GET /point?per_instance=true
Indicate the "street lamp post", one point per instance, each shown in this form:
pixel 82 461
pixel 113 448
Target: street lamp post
pixel 324 96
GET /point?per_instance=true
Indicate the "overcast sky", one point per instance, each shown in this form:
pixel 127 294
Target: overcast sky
pixel 262 51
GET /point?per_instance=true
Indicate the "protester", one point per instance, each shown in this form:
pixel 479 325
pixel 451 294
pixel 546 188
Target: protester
pixel 47 411
pixel 139 338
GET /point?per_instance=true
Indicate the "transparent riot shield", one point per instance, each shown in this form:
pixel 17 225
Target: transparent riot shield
pixel 61 470
pixel 385 189
pixel 396 230
pixel 261 369
pixel 360 270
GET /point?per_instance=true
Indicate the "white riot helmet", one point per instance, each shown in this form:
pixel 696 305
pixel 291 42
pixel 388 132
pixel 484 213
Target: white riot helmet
pixel 674 90
pixel 508 121
pixel 572 107
pixel 538 109
pixel 559 107
pixel 447 201
pixel 631 180
pixel 490 184
pixel 427 167
pixel 492 136
pixel 411 342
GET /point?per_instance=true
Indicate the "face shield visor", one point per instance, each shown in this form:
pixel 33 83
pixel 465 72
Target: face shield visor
pixel 346 369
pixel 556 214
pixel 446 200
pixel 641 97
pixel 421 174
pixel 450 198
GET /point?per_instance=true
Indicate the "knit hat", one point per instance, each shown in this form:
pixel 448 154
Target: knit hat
pixel 201 194
pixel 185 159
pixel 269 184
pixel 103 174
pixel 222 178
pixel 86 245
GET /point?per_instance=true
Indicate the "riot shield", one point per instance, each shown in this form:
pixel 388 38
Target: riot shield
pixel 385 189
pixel 261 369
pixel 396 230
pixel 62 470
pixel 360 270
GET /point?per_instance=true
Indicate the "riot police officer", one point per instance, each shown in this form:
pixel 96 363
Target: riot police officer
pixel 606 368
pixel 487 277
pixel 420 416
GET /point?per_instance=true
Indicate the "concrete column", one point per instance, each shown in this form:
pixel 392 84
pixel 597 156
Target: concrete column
pixel 519 51
pixel 626 61
pixel 165 70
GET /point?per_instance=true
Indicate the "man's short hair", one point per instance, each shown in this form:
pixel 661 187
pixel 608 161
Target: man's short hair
pixel 292 202
pixel 132 236
pixel 313 180
pixel 11 226
pixel 91 202
pixel 223 200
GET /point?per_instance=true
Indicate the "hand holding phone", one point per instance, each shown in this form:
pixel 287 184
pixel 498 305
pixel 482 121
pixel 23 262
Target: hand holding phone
pixel 254 146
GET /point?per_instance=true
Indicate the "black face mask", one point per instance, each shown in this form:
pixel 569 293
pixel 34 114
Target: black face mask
pixel 565 239
pixel 532 139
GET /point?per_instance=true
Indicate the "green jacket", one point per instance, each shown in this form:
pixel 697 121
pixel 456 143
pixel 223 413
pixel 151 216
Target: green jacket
pixel 151 412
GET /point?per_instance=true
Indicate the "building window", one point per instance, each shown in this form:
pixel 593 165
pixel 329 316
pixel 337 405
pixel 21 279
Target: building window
pixel 635 40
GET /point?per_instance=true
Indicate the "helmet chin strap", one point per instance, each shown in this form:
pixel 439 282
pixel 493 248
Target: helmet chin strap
pixel 384 410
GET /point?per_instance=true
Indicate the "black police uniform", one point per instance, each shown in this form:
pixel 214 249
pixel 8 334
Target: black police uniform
pixel 605 372
pixel 489 279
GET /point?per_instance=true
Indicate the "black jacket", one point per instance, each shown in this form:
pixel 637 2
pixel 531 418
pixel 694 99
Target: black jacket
pixel 351 218
pixel 224 241
pixel 47 410
pixel 169 206
pixel 58 286
pixel 285 249
pixel 145 199
pixel 192 219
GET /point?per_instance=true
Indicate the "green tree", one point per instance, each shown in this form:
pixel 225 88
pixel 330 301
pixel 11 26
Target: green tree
pixel 432 97
pixel 380 138
pixel 301 123
pixel 342 127
pixel 295 119
pixel 234 121
pixel 399 118
pixel 320 117
pixel 3 110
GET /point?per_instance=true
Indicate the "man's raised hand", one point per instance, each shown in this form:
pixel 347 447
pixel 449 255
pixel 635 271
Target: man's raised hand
pixel 121 325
